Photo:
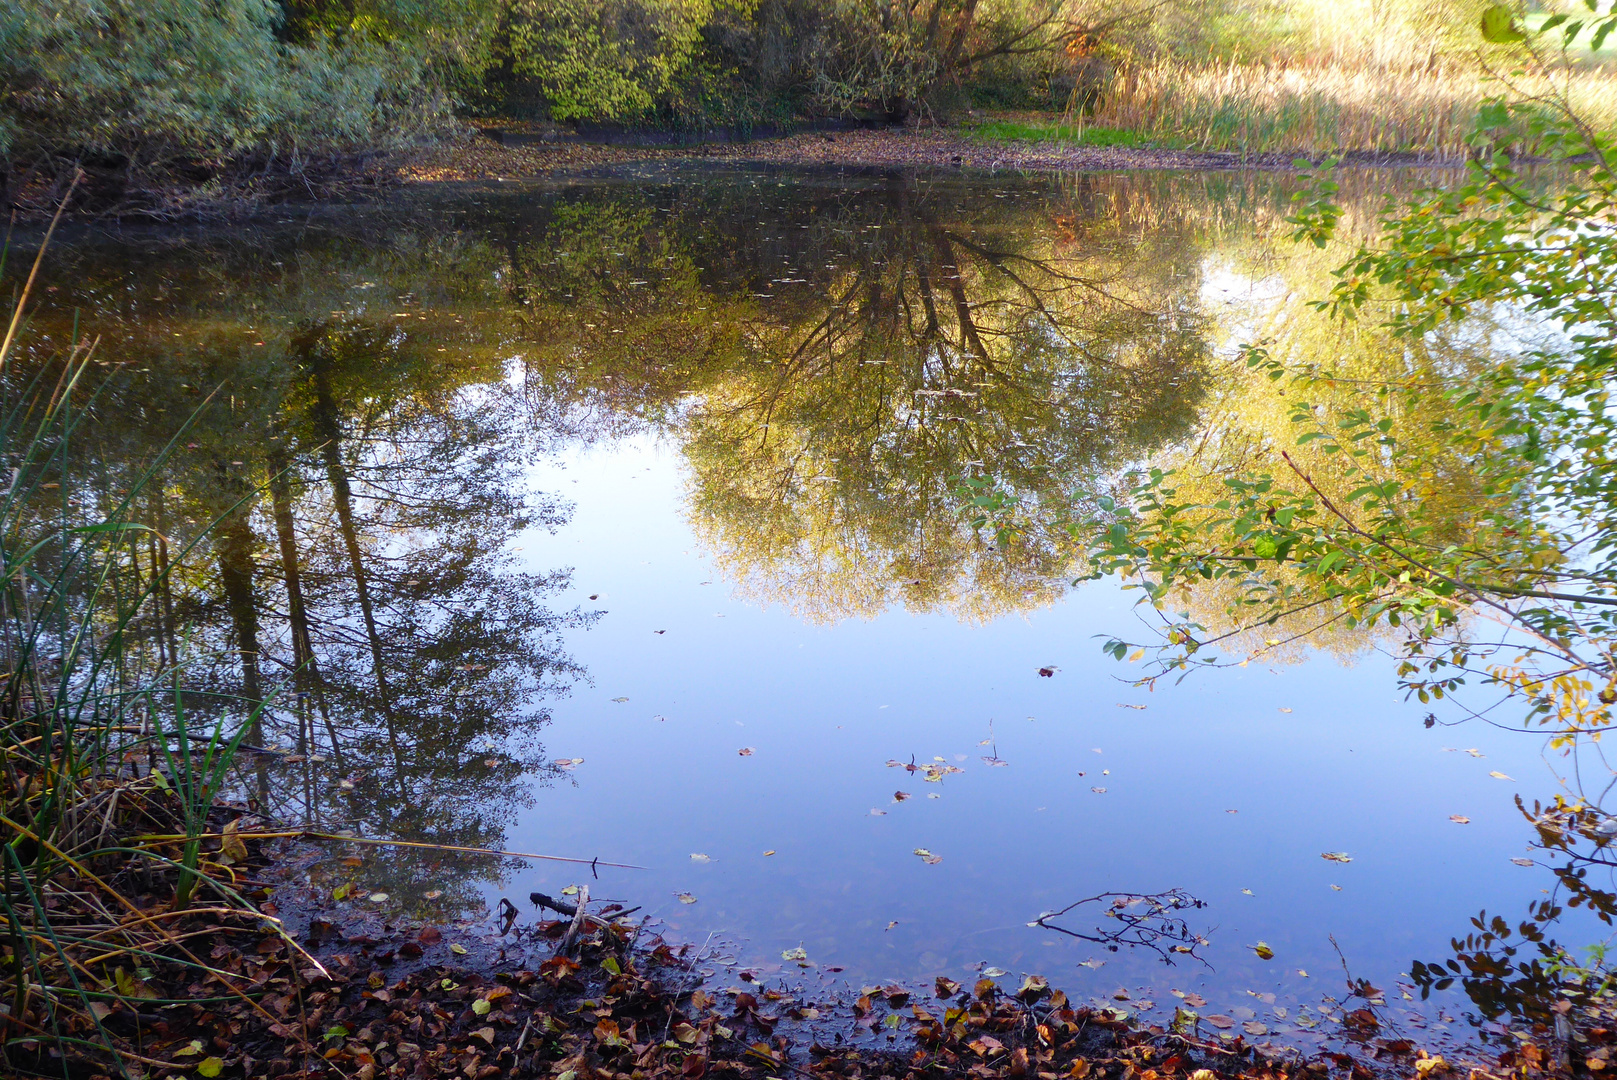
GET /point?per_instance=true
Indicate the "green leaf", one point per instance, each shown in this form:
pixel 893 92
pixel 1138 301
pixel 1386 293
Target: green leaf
pixel 481 1006
pixel 210 1067
pixel 1499 26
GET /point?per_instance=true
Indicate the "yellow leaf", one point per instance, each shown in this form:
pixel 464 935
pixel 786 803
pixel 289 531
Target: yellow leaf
pixel 210 1067
pixel 1135 655
pixel 458 950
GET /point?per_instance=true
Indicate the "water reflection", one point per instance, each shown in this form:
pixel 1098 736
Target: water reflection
pixel 828 357
pixel 344 501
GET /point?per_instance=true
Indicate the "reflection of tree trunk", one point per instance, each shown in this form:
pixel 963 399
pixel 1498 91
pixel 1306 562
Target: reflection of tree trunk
pixel 329 430
pixel 235 550
pixel 306 672
pixel 972 342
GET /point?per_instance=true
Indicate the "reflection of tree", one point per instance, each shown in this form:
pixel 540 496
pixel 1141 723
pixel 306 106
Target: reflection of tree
pixel 361 488
pixel 831 391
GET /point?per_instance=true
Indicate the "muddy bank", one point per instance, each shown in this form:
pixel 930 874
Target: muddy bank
pixel 484 159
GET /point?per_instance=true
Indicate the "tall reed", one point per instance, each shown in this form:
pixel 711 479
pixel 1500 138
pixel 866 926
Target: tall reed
pixel 1330 107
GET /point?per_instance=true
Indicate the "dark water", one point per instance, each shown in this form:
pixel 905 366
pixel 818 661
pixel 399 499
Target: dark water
pixel 622 518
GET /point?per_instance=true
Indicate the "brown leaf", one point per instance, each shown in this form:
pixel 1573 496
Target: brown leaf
pixel 946 987
pixel 1220 1021
pixel 695 1065
pixel 1254 1027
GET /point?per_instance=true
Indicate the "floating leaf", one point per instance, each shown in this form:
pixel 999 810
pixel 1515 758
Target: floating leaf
pixel 1523 862
pixel 768 853
pixel 1220 1021
pixel 1263 951
pixel 900 796
pixel 995 973
pixel 1459 819
pixel 1497 775
pixel 746 751
pixel 1254 1027
pixel 686 898
pixel 1098 790
pixel 1336 856
pixel 1195 1001
pixel 697 856
pixel 620 700
pixel 798 953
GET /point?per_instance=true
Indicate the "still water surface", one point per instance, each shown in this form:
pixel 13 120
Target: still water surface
pixel 625 522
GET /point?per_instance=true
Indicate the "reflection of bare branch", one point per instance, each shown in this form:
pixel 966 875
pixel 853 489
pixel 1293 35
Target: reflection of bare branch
pixel 1145 919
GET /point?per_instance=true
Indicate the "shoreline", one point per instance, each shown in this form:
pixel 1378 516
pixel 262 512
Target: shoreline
pixel 483 158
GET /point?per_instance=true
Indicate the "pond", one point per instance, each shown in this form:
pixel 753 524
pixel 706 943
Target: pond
pixel 623 518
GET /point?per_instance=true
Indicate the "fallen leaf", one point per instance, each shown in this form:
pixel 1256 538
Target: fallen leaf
pixel 1033 986
pixel 1497 775
pixel 1523 862
pixel 900 796
pixel 481 1006
pixel 458 950
pixel 798 953
pixel 697 856
pixel 1048 671
pixel 877 813
pixel 378 897
pixel 1459 819
pixel 620 700
pixel 770 852
pixel 1195 1001
pixel 922 852
pixel 1284 709
pixel 1220 1021
pixel 686 898
pixel 995 973
pixel 210 1067
pixel 890 925
pixel 1263 951
pixel 1336 856
pixel 1098 790
pixel 745 751
pixel 945 988
pixel 1254 1027
pixel 432 894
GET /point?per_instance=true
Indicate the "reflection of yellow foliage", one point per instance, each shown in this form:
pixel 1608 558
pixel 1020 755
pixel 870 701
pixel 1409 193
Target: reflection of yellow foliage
pixel 1249 419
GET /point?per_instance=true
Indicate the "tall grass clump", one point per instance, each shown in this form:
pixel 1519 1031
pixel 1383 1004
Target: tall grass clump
pixel 98 747
pixel 1331 107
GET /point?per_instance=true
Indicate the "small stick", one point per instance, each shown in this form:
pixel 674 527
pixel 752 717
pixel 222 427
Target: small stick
pixel 571 938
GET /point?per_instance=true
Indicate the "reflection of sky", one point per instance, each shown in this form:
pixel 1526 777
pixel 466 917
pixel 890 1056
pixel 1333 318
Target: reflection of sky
pixel 1349 768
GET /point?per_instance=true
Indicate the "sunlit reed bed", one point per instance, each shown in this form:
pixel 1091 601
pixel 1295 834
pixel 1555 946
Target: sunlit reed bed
pixel 1331 107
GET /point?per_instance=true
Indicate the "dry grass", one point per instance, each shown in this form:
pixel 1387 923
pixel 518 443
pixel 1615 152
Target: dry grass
pixel 1329 107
